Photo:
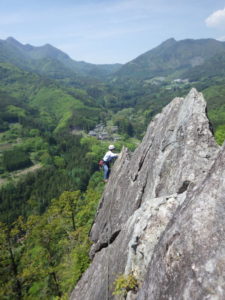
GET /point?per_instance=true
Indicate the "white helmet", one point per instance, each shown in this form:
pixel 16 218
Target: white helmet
pixel 111 147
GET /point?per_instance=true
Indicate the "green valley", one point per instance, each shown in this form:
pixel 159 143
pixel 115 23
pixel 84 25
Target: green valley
pixel 50 183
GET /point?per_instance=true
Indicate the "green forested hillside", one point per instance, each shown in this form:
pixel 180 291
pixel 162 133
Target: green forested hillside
pixel 51 62
pixel 46 213
pixel 213 67
pixel 169 57
pixel 44 255
pixel 56 104
pixel 37 116
pixel 50 184
pixel 150 81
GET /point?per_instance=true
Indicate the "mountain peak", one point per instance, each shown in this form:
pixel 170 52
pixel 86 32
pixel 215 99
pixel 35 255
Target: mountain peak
pixel 51 51
pixel 169 42
pixel 169 57
pixel 13 41
pixel 10 38
pixel 49 46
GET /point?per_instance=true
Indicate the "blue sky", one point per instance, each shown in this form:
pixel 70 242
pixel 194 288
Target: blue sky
pixel 110 31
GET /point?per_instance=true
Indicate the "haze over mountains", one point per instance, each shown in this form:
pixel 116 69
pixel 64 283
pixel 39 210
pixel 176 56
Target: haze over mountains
pixel 172 56
pixel 168 58
pixel 48 60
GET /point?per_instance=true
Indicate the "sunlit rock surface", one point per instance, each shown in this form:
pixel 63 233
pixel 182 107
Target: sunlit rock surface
pixel 151 220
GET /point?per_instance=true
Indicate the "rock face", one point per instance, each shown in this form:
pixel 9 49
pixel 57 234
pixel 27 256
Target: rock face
pixel 161 215
pixel 189 260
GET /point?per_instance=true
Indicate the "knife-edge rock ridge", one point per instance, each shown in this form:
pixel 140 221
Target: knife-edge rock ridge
pixel 157 218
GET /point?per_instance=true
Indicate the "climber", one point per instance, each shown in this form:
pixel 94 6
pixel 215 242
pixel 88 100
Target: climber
pixel 107 159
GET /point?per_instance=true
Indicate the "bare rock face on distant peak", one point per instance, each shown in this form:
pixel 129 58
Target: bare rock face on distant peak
pixel 158 215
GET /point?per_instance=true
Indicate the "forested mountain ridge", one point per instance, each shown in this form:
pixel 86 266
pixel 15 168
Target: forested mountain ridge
pixel 212 67
pixel 170 57
pixel 172 69
pixel 50 61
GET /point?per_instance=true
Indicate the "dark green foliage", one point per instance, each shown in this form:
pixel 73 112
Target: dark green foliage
pixel 15 160
pixel 41 103
pixel 125 126
pixel 44 257
pixel 33 193
pixel 213 67
pixel 11 251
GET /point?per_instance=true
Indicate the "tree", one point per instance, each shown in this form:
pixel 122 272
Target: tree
pixel 16 159
pixel 11 243
pixel 67 206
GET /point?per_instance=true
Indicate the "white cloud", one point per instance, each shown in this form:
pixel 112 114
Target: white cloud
pixel 221 38
pixel 216 19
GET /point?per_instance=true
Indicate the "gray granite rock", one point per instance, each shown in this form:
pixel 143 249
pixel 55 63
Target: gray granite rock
pixel 177 150
pixel 131 251
pixel 145 195
pixel 189 261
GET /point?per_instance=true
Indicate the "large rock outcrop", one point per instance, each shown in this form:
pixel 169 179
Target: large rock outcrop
pixel 189 261
pixel 158 215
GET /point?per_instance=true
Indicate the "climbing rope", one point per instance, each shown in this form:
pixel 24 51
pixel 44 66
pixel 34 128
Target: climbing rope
pixel 108 243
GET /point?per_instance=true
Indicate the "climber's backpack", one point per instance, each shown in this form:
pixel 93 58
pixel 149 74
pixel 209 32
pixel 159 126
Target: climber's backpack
pixel 101 163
